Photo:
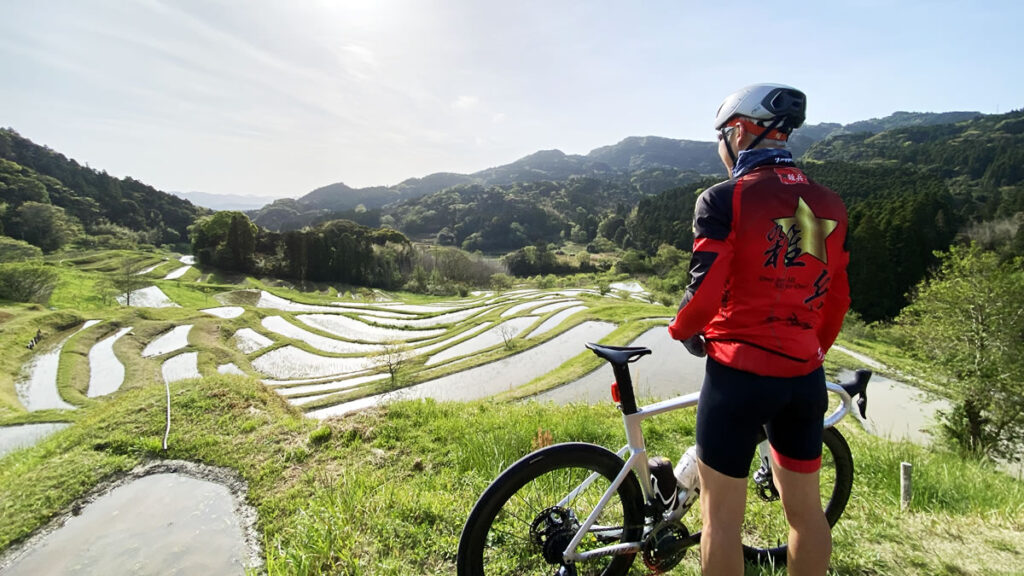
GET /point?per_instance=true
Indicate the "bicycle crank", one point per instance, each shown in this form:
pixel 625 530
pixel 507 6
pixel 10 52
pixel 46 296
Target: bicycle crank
pixel 666 547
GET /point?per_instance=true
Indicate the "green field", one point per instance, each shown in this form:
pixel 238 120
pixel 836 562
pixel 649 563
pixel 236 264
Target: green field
pixel 386 491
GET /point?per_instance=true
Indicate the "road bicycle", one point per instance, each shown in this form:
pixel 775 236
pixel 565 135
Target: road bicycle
pixel 576 508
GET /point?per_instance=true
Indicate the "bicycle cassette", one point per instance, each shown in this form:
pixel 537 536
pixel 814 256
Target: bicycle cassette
pixel 552 530
pixel 666 547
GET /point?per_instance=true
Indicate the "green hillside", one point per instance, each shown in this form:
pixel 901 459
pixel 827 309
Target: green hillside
pixel 48 200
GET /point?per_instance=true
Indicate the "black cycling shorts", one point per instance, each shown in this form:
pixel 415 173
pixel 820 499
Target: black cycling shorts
pixel 736 407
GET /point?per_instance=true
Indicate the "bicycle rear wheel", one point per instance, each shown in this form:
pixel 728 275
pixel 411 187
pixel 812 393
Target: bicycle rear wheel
pixel 530 513
pixel 765 530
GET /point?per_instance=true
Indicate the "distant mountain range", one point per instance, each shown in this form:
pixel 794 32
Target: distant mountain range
pixel 649 156
pixel 225 201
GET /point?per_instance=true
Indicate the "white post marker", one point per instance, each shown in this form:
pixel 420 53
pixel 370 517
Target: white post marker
pixel 905 485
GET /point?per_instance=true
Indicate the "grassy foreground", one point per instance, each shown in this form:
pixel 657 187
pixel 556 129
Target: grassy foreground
pixel 387 491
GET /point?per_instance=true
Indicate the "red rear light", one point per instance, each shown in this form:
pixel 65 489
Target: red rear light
pixel 615 392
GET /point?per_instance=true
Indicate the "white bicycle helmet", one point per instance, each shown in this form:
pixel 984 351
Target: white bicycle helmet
pixel 783 106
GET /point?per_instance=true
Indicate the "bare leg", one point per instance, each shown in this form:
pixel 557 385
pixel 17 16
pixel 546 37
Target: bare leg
pixel 722 501
pixel 810 538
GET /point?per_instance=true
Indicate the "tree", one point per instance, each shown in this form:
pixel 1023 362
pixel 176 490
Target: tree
pixel 393 359
pixel 226 239
pixel 46 226
pixel 967 326
pixel 126 279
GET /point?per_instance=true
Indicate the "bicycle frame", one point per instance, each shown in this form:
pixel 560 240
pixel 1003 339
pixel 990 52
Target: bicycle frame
pixel 637 461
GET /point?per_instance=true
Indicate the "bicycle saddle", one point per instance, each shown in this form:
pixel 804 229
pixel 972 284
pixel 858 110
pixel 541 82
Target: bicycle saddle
pixel 619 354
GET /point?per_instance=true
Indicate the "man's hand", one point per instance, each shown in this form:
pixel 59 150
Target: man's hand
pixel 695 345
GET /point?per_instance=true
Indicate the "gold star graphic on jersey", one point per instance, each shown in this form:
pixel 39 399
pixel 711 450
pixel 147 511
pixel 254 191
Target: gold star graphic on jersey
pixel 810 232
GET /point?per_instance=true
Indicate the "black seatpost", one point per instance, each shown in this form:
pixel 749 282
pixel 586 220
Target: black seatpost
pixel 627 401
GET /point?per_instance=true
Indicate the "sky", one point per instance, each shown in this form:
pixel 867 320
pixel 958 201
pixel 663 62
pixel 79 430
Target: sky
pixel 275 98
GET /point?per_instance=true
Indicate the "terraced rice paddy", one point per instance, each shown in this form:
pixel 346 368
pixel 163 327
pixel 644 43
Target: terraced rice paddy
pixel 174 339
pixel 25 435
pixel 38 388
pixel 493 378
pixel 148 297
pixel 318 354
pixel 106 372
pixel 181 367
pixel 248 340
pixel 225 311
pixel 350 329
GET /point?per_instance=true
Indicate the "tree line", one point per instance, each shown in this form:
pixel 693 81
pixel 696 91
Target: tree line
pixel 336 251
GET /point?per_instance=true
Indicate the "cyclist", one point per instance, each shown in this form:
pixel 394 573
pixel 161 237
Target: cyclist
pixel 766 300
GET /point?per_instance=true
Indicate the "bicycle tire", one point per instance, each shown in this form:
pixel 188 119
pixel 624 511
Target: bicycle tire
pixel 837 472
pixel 497 536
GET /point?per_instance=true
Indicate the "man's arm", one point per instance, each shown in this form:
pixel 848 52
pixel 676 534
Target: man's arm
pixel 709 268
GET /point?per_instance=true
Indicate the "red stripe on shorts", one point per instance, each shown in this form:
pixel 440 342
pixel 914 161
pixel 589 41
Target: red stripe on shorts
pixel 795 465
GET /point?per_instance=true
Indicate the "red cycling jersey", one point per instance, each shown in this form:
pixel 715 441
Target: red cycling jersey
pixel 768 283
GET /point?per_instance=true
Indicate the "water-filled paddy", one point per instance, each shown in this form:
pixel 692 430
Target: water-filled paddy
pixel 290 362
pixel 248 340
pixel 506 330
pixel 230 368
pixel 448 318
pixel 38 389
pixel 106 372
pixel 554 321
pixel 493 378
pixel 668 371
pixel 177 272
pixel 225 311
pixel 174 339
pixel 148 297
pixel 181 367
pixel 349 329
pixel 158 524
pixel 279 325
pixel 25 435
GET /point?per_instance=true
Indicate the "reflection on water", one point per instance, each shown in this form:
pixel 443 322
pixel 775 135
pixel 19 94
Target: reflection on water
pixel 158 524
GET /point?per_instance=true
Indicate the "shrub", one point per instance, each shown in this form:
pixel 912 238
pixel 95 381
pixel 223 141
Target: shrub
pixel 12 250
pixel 24 282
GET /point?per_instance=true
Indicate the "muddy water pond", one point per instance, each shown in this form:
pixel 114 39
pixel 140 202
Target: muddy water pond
pixel 165 523
pixel 17 437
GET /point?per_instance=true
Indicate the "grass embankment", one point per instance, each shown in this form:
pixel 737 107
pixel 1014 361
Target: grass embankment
pixel 387 491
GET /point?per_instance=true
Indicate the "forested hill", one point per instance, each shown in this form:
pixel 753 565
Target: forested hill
pixel 909 191
pixel 983 156
pixel 651 163
pixel 46 199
